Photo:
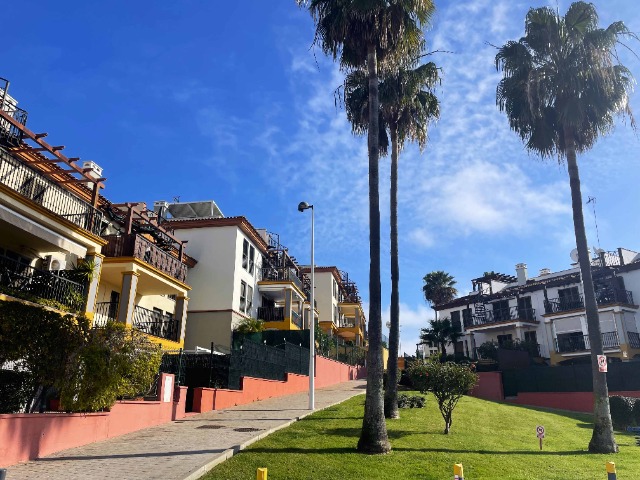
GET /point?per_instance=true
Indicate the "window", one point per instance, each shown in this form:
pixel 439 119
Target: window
pixel 570 298
pixel 455 321
pixel 501 311
pixel 335 288
pixel 249 299
pixel 245 255
pixel 531 337
pixel 335 314
pixel 243 296
pixel 525 311
pixel 502 339
pixel 252 258
pixel 467 317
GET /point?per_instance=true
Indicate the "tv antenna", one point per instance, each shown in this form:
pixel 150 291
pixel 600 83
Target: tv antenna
pixel 177 199
pixel 592 200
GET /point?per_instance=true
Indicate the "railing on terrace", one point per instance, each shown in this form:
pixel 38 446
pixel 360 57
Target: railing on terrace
pixel 634 339
pixel 105 312
pixel 36 187
pixel 347 324
pixel 156 323
pixel 271 314
pixel 606 259
pixel 296 318
pixel 576 302
pixel 581 343
pixel 33 284
pixel 134 245
pixel 10 134
pixel 278 274
pixel 504 315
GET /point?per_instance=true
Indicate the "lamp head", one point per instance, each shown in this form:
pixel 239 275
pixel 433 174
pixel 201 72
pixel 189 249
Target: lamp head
pixel 302 206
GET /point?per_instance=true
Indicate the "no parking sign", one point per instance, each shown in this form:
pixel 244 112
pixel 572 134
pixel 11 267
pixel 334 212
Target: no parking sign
pixel 602 363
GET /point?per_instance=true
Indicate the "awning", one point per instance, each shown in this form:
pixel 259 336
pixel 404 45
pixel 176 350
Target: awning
pixel 57 241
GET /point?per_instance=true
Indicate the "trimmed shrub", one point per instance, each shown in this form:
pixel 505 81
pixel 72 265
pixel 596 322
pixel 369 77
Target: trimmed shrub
pixel 623 411
pixel 411 401
pixel 15 390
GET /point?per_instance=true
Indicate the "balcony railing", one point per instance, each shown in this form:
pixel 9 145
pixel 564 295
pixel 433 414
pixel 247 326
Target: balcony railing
pixel 156 323
pixel 347 324
pixel 296 319
pixel 634 339
pixel 105 312
pixel 10 134
pixel 504 315
pixel 271 314
pixel 134 245
pixel 581 343
pixel 576 302
pixel 33 284
pixel 45 192
pixel 277 274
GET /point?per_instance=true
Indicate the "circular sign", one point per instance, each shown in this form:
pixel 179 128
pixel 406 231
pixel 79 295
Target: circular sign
pixel 540 431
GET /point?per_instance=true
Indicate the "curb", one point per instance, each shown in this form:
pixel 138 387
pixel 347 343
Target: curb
pixel 227 454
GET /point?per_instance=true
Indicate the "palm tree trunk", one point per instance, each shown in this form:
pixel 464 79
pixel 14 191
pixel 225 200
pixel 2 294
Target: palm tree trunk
pixel 602 440
pixel 391 394
pixel 373 438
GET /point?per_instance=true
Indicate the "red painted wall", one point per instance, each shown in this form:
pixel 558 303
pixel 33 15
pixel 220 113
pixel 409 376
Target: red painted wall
pixel 28 436
pixel 489 386
pixel 328 372
pixel 573 401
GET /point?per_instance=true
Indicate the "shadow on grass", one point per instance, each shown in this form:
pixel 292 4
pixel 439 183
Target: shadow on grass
pixel 334 450
pixel 355 433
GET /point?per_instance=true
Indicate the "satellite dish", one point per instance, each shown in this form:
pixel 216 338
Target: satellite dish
pixel 598 251
pixel 574 255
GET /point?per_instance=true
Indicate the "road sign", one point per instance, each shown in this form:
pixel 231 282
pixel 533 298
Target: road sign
pixel 602 363
pixel 540 431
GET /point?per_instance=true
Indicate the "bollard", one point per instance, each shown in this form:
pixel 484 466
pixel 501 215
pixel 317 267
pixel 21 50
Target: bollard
pixel 458 472
pixel 261 474
pixel 611 471
pixel 3 473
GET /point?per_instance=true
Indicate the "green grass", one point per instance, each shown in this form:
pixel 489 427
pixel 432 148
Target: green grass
pixel 492 441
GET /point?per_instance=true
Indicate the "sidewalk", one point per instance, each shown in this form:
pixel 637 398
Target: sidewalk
pixel 184 449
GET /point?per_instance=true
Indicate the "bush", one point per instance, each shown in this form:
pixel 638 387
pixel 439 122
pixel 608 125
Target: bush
pixel 405 379
pixel 15 390
pixel 411 401
pixel 448 382
pixel 115 362
pixel 624 411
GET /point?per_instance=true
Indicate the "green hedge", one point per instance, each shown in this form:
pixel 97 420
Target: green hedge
pixel 625 411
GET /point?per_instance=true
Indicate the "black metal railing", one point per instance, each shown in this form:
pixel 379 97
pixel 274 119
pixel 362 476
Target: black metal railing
pixel 33 284
pixel 504 315
pixel 45 192
pixel 606 259
pixel 576 302
pixel 347 324
pixel 634 339
pixel 278 274
pixel 10 134
pixel 134 245
pixel 580 343
pixel 105 312
pixel 271 314
pixel 156 323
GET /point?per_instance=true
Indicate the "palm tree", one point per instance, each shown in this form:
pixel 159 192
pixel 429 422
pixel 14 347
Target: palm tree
pixel 407 103
pixel 562 85
pixel 441 333
pixel 438 288
pixel 375 34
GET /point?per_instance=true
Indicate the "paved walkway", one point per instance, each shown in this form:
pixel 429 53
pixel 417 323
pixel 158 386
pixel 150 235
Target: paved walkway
pixel 184 449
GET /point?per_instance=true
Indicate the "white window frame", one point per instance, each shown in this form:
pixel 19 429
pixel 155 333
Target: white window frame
pixel 243 296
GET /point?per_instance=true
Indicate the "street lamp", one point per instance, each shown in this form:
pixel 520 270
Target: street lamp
pixel 302 206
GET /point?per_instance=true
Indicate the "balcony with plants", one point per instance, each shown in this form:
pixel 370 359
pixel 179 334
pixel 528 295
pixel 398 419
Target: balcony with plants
pixel 604 296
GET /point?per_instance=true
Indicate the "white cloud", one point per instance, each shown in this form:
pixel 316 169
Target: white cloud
pixel 412 319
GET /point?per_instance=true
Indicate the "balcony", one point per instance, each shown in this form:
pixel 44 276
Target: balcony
pixel 45 192
pixel 105 312
pixel 134 245
pixel 296 319
pixel 156 323
pixel 271 314
pixel 282 274
pixel 28 283
pixel 634 339
pixel 576 302
pixel 581 343
pixel 502 315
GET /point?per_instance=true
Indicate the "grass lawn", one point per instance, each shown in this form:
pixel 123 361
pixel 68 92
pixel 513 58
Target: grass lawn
pixel 492 441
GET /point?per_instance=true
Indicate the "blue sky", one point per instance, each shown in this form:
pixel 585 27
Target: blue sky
pixel 228 101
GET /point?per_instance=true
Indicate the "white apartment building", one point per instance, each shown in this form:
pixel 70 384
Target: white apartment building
pixel 549 309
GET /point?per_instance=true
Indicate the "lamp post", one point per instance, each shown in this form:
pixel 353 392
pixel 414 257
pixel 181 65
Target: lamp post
pixel 302 206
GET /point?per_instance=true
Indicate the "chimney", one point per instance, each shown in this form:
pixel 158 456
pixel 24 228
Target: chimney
pixel 545 271
pixel 95 170
pixel 521 271
pixel 160 208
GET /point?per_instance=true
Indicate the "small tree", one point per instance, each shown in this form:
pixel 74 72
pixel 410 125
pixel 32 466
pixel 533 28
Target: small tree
pixel 249 325
pixel 447 381
pixel 441 333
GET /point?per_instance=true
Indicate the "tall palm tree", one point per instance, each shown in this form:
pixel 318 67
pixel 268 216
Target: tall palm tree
pixel 407 103
pixel 562 85
pixel 373 34
pixel 439 287
pixel 441 333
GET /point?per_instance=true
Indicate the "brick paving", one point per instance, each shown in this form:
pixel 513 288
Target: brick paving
pixel 184 449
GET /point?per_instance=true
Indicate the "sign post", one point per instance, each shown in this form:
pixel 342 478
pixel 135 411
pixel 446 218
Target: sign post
pixel 602 363
pixel 540 434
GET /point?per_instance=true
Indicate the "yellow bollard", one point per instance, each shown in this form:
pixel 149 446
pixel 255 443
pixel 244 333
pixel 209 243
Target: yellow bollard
pixel 261 474
pixel 611 471
pixel 458 471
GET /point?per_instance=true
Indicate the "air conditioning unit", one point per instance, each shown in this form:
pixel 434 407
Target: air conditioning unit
pixel 54 263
